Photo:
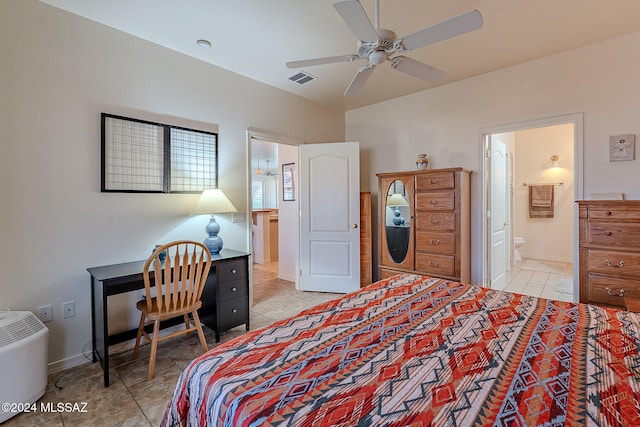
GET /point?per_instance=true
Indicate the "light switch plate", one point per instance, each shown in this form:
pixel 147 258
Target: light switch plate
pixel 239 217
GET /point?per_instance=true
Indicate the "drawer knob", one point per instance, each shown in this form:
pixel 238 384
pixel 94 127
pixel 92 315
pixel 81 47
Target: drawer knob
pixel 234 310
pixel 234 289
pixel 608 213
pixel 234 271
pixel 434 264
pixel 434 242
pixel 434 201
pixel 434 180
pixel 609 264
pixel 435 221
pixel 609 233
pixel 619 293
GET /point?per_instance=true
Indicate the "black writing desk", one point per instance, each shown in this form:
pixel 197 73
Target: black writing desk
pixel 225 299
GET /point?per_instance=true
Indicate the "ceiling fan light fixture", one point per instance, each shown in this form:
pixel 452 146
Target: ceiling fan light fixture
pixel 377 57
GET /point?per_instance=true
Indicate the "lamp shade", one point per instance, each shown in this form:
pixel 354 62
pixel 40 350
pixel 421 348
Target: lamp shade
pixel 397 200
pixel 212 202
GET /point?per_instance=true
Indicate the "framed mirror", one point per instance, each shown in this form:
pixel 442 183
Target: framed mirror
pixel 397 221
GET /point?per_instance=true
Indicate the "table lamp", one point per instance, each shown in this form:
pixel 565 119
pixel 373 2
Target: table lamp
pixel 213 202
pixel 397 200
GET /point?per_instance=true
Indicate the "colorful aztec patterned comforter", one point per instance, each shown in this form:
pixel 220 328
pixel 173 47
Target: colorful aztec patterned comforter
pixel 419 351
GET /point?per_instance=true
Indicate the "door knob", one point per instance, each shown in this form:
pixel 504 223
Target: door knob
pixel 355 225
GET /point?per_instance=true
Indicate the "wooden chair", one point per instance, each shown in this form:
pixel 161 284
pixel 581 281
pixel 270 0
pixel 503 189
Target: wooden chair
pixel 179 281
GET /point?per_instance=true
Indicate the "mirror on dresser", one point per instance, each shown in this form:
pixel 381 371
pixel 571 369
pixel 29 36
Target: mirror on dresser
pixel 397 221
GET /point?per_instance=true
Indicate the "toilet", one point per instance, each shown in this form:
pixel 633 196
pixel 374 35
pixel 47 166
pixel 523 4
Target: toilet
pixel 517 242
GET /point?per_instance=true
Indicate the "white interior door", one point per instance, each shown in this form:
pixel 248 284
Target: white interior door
pixel 498 218
pixel 330 217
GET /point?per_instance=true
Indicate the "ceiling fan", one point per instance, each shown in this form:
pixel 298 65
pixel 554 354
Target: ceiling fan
pixel 379 45
pixel 268 172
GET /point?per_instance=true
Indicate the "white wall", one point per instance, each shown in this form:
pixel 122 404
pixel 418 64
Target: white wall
pixel 545 238
pixel 600 81
pixel 58 72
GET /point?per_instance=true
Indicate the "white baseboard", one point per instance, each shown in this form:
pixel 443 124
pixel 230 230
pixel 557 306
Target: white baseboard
pixel 69 362
pixel 286 277
pixel 546 258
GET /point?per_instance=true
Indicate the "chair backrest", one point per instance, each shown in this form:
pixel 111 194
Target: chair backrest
pixel 183 274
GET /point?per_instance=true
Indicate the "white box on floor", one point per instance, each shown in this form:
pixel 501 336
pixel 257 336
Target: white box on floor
pixel 23 360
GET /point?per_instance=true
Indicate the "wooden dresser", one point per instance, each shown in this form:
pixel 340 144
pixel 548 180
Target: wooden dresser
pixel 609 251
pixel 436 235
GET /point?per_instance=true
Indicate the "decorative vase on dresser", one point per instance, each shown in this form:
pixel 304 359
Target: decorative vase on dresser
pixel 434 239
pixel 609 251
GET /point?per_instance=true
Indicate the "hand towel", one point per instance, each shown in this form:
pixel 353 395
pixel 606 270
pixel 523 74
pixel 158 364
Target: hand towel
pixel 541 201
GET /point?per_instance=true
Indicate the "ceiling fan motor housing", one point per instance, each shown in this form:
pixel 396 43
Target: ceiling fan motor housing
pixel 377 52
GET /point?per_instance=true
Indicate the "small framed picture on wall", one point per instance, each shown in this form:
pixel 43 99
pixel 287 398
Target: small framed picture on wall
pixel 622 147
pixel 288 182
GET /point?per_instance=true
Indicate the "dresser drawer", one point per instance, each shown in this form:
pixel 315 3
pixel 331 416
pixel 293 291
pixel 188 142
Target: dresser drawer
pixel 385 273
pixel 442 243
pixel 435 181
pixel 233 312
pixel 614 234
pixel 611 290
pixel 232 269
pixel 613 213
pixel 232 289
pixel 436 221
pixel 613 263
pixel 436 201
pixel 436 265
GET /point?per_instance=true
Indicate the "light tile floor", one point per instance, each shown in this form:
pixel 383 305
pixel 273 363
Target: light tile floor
pixel 546 279
pixel 131 399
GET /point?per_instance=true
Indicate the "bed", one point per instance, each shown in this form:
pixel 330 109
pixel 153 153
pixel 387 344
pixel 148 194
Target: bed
pixel 417 351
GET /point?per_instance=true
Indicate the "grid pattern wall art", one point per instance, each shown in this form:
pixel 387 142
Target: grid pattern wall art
pixel 141 156
pixel 134 156
pixel 193 159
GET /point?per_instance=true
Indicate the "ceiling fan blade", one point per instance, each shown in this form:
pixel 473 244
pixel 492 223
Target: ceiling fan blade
pixel 357 20
pixel 359 79
pixel 460 24
pixel 416 69
pixel 321 61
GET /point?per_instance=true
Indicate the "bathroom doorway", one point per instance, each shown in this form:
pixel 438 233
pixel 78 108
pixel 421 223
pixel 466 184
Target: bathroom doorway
pixel 526 252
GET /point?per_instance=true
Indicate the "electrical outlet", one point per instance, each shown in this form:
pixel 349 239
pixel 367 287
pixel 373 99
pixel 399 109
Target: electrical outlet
pixel 68 309
pixel 46 313
pixel 239 217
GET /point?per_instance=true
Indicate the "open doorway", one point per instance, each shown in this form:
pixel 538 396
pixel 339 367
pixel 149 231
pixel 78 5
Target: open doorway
pixel 525 252
pixel 274 226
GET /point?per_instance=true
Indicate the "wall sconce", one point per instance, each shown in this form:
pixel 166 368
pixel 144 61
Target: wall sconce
pixel 554 161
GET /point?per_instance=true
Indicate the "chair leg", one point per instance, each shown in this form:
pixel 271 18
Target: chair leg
pixel 154 348
pixel 186 325
pixel 140 328
pixel 196 320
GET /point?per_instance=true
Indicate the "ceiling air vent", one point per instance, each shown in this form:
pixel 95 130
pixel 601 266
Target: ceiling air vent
pixel 302 78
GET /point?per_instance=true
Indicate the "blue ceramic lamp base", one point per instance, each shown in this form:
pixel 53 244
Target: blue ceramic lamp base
pixel 213 242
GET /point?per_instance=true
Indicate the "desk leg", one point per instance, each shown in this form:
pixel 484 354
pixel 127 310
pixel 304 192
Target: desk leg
pixel 94 359
pixel 100 326
pixel 105 334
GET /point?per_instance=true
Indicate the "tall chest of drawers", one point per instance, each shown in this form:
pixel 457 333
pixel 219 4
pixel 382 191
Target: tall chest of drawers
pixel 435 238
pixel 609 251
